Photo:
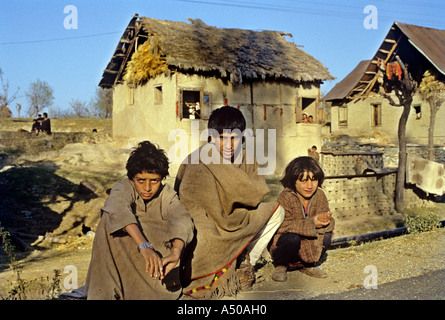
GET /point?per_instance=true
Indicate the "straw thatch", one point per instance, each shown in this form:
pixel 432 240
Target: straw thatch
pixel 234 54
pixel 144 64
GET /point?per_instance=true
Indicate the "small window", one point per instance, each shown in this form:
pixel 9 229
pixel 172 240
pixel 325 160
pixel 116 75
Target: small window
pixel 158 95
pixel 376 109
pixel 343 116
pixel 191 108
pixel 195 104
pixel 130 96
pixel 306 109
pixel 418 110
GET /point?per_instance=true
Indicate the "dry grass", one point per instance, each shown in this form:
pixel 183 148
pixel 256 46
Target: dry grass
pixel 59 125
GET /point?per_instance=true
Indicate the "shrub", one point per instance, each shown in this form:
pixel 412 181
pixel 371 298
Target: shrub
pixel 417 224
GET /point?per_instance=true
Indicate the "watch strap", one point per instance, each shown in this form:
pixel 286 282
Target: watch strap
pixel 145 245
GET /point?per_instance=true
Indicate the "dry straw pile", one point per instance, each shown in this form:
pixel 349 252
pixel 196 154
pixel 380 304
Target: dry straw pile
pixel 145 63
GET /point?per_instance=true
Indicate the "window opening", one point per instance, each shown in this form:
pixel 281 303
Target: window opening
pixel 191 108
pixel 195 104
pixel 158 95
pixel 309 110
pixel 376 114
pixel 418 110
pixel 343 116
pixel 130 95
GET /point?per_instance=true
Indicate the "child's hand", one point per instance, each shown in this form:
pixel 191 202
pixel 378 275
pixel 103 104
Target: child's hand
pixel 153 263
pixel 171 260
pixel 322 219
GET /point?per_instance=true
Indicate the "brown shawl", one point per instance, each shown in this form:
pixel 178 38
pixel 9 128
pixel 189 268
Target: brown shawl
pixel 224 201
pixel 295 222
pixel 117 269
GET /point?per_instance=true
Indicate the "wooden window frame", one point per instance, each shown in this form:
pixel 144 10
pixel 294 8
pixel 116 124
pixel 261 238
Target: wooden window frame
pixel 205 103
pixel 376 121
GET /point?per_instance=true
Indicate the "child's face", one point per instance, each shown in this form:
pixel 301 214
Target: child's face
pixel 306 185
pixel 147 184
pixel 228 143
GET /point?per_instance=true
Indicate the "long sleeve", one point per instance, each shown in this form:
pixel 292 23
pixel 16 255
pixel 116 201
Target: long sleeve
pixel 180 223
pixel 118 206
pixel 294 220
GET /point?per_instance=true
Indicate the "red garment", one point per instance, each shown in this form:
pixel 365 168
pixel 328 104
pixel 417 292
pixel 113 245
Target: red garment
pixel 394 69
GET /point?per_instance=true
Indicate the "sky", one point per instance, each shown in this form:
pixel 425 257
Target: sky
pixel 68 43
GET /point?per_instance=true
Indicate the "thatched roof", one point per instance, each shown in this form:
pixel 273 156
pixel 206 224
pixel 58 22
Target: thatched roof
pixel 236 54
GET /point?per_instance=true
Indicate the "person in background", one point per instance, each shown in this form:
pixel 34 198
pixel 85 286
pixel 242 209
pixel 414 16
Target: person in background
pixel 46 124
pixel 35 127
pixel 312 152
pixel 361 165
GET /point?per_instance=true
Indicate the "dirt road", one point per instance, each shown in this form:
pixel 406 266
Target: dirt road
pixel 366 265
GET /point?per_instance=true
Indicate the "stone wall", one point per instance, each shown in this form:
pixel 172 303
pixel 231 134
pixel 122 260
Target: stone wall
pixel 353 195
pixel 342 163
pixel 362 195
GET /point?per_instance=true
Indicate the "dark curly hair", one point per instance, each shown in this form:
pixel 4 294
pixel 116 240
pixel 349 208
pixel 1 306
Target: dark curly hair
pixel 226 118
pixel 147 158
pixel 296 168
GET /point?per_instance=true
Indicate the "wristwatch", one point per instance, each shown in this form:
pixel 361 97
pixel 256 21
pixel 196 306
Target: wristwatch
pixel 145 245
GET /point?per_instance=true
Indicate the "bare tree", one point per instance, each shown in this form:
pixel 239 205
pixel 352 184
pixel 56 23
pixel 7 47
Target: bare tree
pixel 5 99
pixel 404 91
pixel 102 103
pixel 430 89
pixel 56 112
pixel 40 96
pixel 79 108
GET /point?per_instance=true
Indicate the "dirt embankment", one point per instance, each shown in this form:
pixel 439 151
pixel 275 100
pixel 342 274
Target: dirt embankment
pixel 56 190
pixel 58 125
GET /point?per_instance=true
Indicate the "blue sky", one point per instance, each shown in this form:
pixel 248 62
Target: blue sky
pixel 34 43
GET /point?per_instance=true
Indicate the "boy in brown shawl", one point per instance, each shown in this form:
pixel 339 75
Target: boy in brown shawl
pixel 141 235
pixel 223 193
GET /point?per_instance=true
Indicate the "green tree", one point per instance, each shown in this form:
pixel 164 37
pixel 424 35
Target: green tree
pixel 431 89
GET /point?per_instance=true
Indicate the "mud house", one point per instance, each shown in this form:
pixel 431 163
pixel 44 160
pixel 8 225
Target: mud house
pixel 169 76
pixel 357 105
